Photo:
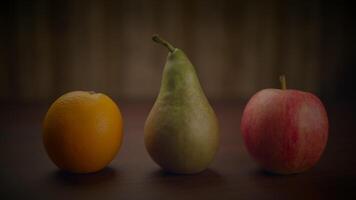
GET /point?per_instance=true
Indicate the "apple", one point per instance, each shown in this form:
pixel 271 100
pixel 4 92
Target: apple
pixel 285 130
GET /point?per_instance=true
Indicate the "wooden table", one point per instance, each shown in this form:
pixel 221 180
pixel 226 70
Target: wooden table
pixel 26 171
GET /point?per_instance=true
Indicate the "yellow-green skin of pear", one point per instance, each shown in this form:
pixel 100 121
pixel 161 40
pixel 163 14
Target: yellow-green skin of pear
pixel 181 131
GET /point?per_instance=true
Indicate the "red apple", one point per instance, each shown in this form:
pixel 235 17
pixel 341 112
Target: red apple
pixel 285 131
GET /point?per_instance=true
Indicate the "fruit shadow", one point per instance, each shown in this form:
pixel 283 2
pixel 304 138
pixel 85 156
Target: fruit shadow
pixel 261 173
pixel 103 176
pixel 208 177
pixel 301 185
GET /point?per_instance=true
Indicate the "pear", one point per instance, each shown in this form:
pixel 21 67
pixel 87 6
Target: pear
pixel 181 131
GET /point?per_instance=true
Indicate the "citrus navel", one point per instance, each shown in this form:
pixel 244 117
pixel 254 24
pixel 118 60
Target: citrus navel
pixel 82 131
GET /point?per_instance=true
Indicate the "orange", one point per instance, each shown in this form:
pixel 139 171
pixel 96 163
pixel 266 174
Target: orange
pixel 82 131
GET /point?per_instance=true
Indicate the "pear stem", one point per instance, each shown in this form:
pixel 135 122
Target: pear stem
pixel 162 41
pixel 282 79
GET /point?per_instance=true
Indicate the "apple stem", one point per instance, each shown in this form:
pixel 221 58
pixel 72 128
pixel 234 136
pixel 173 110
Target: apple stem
pixel 283 81
pixel 162 41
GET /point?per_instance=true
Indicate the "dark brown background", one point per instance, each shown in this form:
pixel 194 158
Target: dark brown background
pixel 238 47
pixel 51 47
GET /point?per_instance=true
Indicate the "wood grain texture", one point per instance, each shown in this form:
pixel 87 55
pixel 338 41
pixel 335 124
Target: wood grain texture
pixel 26 171
pixel 238 47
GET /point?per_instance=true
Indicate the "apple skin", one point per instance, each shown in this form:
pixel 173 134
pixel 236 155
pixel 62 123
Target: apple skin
pixel 285 131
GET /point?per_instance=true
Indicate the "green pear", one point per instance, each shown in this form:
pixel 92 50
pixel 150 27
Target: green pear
pixel 181 131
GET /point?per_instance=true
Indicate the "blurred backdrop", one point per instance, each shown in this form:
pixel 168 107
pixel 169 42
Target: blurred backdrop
pixel 238 46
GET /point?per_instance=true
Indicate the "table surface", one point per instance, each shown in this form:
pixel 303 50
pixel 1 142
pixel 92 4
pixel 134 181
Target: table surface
pixel 26 171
